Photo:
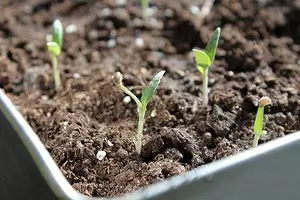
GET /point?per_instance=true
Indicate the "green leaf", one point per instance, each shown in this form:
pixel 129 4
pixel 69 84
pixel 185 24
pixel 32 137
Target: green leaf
pixel 53 48
pixel 258 124
pixel 150 89
pixel 212 45
pixel 202 60
pixel 57 33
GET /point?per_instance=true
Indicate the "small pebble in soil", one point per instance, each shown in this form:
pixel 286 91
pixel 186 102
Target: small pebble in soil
pixel 48 114
pixel 105 12
pixel 122 153
pixel 45 98
pixel 92 35
pixel 174 154
pixel 155 24
pixel 100 155
pixel 179 72
pixel 230 73
pixel 137 22
pixel 168 13
pixel 109 25
pixel 207 135
pixel 124 177
pixel 144 70
pixel 109 143
pixel 211 81
pixel 72 28
pixel 121 2
pixel 113 33
pixel 152 11
pixel 127 100
pixel 27 9
pixel 65 124
pixel 76 75
pixel 153 113
pixel 48 37
pixel 139 42
pixel 122 15
pixel 111 43
pixel 194 10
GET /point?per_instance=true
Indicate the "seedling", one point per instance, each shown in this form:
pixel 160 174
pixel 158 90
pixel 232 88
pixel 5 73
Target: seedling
pixel 54 48
pixel 204 59
pixel 144 5
pixel 258 124
pixel 141 104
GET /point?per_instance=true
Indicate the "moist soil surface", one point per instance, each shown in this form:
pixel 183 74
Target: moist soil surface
pixel 258 55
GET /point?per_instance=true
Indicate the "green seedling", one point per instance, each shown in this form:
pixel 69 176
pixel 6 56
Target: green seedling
pixel 141 104
pixel 54 48
pixel 144 5
pixel 205 58
pixel 258 124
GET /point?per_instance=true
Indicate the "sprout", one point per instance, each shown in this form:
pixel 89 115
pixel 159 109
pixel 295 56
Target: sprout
pixel 54 48
pixel 204 59
pixel 144 5
pixel 258 124
pixel 141 104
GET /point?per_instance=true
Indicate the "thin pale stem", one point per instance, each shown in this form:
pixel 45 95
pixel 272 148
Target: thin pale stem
pixel 255 141
pixel 56 74
pixel 128 92
pixel 139 136
pixel 205 86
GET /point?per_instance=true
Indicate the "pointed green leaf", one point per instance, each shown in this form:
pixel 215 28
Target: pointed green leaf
pixel 57 33
pixel 258 124
pixel 150 89
pixel 53 48
pixel 202 60
pixel 212 45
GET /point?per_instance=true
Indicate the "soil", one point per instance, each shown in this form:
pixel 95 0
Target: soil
pixel 258 55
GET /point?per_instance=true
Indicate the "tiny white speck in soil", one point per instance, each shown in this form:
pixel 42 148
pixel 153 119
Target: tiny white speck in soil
pixel 127 99
pixel 139 42
pixel 72 28
pixel 169 13
pixel 121 2
pixel 109 143
pixel 48 37
pixel 106 12
pixel 76 75
pixel 45 98
pixel 194 10
pixel 111 43
pixel 100 155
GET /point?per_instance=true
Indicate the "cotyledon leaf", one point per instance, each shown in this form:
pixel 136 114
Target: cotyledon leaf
pixel 258 124
pixel 53 48
pixel 202 60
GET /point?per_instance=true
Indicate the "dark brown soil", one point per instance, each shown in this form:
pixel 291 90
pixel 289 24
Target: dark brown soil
pixel 258 55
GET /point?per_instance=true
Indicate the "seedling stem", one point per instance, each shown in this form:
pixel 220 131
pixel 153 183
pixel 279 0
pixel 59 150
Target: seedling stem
pixel 54 48
pixel 205 86
pixel 141 104
pixel 205 58
pixel 139 136
pixel 56 73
